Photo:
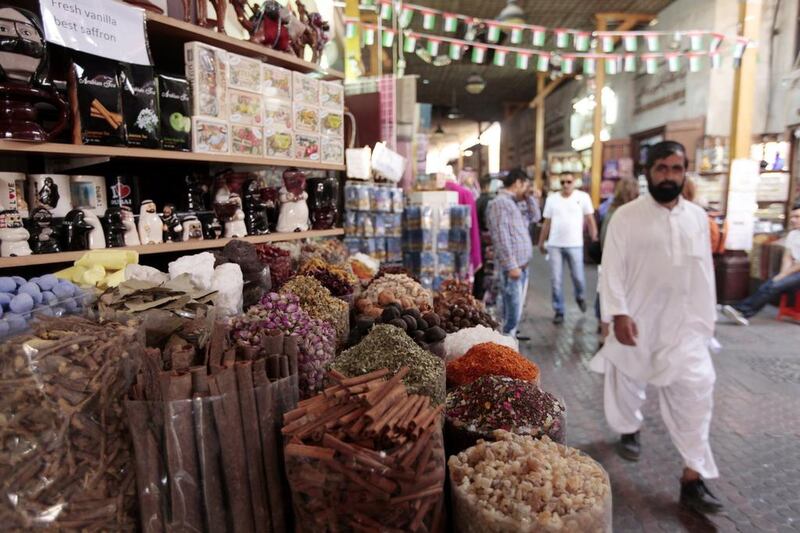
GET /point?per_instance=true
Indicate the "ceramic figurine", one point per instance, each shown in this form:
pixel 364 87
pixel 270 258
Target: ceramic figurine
pixel 96 238
pixel 235 226
pixel 294 209
pixel 13 235
pixel 192 229
pixel 76 230
pixel 48 194
pixel 172 224
pixel 43 238
pixel 213 230
pixel 150 224
pixel 255 214
pixel 115 232
pixel 131 233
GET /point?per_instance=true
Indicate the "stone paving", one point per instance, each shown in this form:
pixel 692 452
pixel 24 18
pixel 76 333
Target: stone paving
pixel 755 434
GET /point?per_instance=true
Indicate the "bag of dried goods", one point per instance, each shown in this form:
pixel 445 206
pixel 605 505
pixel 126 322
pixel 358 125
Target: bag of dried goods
pixel 490 359
pixel 519 484
pixel 395 288
pixel 490 403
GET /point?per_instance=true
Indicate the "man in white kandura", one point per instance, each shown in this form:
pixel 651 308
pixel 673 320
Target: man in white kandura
pixel 658 290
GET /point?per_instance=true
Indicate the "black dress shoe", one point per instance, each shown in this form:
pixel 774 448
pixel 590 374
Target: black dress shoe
pixel 582 305
pixel 628 446
pixel 558 319
pixel 522 337
pixel 696 496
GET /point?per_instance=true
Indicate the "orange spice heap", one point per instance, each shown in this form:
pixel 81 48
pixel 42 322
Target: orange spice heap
pixel 489 358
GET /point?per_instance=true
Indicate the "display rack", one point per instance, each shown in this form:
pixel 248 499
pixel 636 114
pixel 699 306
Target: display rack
pixel 167 247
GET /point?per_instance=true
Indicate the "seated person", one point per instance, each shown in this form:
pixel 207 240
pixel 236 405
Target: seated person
pixel 786 282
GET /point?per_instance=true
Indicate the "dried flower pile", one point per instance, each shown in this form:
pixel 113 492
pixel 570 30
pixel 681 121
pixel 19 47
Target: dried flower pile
pixel 336 279
pixel 519 483
pixel 317 301
pixel 490 359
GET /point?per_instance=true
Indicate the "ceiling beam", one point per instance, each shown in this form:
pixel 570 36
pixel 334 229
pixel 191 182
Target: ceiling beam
pixel 551 86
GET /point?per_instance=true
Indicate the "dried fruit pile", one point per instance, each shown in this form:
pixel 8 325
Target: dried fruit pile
pixel 336 279
pixel 423 329
pixel 459 309
pixel 490 359
pixel 519 483
pixel 394 288
pixel 279 262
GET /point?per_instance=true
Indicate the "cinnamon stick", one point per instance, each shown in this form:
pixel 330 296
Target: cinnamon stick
pixel 209 459
pixel 269 448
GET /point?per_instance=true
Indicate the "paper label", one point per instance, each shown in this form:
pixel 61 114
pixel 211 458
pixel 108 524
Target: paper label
pixel 99 27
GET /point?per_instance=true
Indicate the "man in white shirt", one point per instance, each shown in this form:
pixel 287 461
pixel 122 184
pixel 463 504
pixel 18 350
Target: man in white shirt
pixel 658 289
pixel 786 282
pixel 565 214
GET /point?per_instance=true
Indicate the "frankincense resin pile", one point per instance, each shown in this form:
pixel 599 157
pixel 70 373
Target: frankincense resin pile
pixel 521 484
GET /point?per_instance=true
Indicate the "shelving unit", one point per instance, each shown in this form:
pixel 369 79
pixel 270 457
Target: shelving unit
pixel 168 247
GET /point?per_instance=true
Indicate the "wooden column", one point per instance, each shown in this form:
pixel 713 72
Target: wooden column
pixel 744 84
pixel 352 45
pixel 538 139
pixel 597 123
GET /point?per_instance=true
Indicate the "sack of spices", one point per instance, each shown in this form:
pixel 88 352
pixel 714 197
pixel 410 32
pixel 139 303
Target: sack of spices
pixel 519 484
pixel 66 461
pixel 95 100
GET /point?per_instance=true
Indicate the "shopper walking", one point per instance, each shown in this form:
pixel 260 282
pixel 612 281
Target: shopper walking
pixel 786 282
pixel 658 285
pixel 565 214
pixel 510 215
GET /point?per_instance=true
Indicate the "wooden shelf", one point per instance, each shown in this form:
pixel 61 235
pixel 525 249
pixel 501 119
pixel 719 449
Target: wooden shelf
pixel 84 150
pixel 177 29
pixel 170 247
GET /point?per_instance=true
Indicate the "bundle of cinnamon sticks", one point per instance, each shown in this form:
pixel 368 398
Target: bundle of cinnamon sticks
pixel 206 436
pixel 366 456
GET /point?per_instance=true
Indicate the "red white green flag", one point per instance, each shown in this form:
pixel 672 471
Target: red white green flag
pixel 543 62
pixel 653 42
pixel 387 38
pixel 582 40
pixel 650 64
pixel 696 42
pixel 673 62
pixel 428 20
pixel 539 36
pixel 567 64
pixel 455 51
pixel 694 63
pixel 629 63
pixel 450 22
pixel 607 43
pixel 516 35
pixel 350 30
pixel 493 33
pixel 631 43
pixel 406 15
pixel 386 11
pixel 716 60
pixel 478 54
pixel 369 36
pixel 562 38
pixel 409 43
pixel 433 47
pixel 500 58
pixel 523 60
pixel 612 65
pixel 589 66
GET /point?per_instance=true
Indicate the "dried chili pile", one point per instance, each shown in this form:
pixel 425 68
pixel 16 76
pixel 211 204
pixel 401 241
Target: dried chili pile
pixel 488 359
pixel 497 402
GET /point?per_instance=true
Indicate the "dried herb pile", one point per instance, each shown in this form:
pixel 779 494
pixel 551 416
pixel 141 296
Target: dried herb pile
pixel 317 301
pixel 365 455
pixel 490 359
pixel 65 455
pixel 389 347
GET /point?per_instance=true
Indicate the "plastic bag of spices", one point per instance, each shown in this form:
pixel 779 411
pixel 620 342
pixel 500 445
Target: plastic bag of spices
pixel 520 484
pixel 66 461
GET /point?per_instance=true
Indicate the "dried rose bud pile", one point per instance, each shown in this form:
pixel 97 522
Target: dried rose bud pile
pixel 519 483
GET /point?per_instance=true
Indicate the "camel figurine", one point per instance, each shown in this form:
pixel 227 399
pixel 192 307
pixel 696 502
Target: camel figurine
pixel 220 7
pixel 318 31
pixel 266 25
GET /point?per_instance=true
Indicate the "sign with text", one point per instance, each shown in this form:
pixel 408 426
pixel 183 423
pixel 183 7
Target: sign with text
pixel 100 27
pixel 742 204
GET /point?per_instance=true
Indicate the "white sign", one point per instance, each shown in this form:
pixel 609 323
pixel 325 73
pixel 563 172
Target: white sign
pixel 742 204
pixel 100 27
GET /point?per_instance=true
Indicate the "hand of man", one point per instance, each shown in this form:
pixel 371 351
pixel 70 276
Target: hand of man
pixel 625 330
pixel 514 273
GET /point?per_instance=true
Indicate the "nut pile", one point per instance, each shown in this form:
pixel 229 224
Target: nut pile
pixel 317 301
pixel 490 359
pixel 459 309
pixel 386 346
pixel 523 484
pixel 394 288
pixel 423 329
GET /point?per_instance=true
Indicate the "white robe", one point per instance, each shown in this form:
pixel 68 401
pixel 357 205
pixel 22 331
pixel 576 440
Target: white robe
pixel 657 268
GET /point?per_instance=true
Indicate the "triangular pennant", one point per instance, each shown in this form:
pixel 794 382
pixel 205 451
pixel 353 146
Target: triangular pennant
pixel 694 63
pixel 567 64
pixel 369 35
pixel 653 42
pixel 455 51
pixel 406 15
pixel 543 62
pixel 539 36
pixel 629 63
pixel 433 47
pixel 589 66
pixel 516 35
pixel 582 41
pixel 739 48
pixel 386 11
pixel 493 33
pixel 523 60
pixel 428 20
pixel 696 42
pixel 673 62
pixel 650 64
pixel 631 43
pixel 607 43
pixel 478 54
pixel 387 38
pixel 409 44
pixel 350 30
pixel 562 38
pixel 450 22
pixel 500 58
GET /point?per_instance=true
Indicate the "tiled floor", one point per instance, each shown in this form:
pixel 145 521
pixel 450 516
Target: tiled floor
pixel 755 433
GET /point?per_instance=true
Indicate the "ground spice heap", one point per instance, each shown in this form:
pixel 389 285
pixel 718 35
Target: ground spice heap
pixel 498 402
pixel 490 359
pixel 389 347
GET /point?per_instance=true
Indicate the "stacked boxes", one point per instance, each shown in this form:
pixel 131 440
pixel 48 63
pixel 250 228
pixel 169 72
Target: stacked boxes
pixel 436 243
pixel 245 107
pixel 373 221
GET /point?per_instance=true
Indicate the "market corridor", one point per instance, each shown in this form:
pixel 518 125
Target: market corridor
pixel 755 432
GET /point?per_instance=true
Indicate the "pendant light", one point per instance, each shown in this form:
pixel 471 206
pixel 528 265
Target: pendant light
pixel 512 13
pixel 475 83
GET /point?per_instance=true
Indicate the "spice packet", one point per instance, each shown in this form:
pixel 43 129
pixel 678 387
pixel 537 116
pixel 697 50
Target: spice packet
pixel 331 95
pixel 306 89
pixel 277 114
pixel 175 106
pixel 205 70
pixel 140 106
pixel 247 140
pixel 306 147
pixel 210 136
pixel 332 150
pixel 95 101
pixel 245 108
pixel 278 143
pixel 244 73
pixel 332 123
pixel 306 118
pixel 276 82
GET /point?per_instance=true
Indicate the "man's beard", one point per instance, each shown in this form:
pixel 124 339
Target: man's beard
pixel 666 191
